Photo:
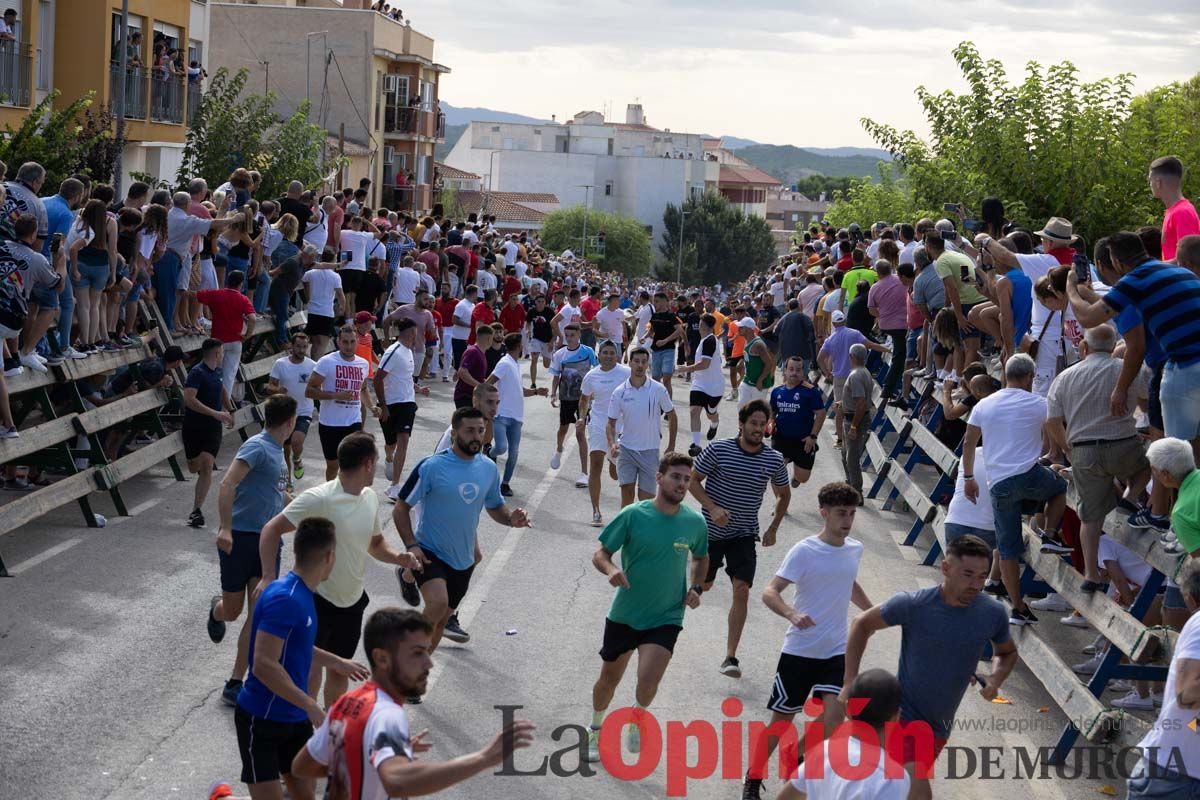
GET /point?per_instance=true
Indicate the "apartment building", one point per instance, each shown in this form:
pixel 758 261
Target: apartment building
pixel 371 82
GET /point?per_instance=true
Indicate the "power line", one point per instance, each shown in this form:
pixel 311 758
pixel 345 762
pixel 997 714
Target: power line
pixel 354 105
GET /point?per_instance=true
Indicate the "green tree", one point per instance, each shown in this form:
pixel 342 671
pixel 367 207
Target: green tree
pixel 729 244
pixel 627 247
pixel 814 186
pixel 60 140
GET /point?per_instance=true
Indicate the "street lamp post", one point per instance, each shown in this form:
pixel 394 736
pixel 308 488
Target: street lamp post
pixel 679 261
pixel 587 188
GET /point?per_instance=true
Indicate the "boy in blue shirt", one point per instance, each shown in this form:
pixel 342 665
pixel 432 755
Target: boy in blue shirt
pixel 799 412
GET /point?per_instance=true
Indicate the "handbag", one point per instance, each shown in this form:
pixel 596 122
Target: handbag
pixel 1035 345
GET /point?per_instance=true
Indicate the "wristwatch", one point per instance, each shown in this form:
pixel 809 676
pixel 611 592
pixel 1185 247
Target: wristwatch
pixel 697 588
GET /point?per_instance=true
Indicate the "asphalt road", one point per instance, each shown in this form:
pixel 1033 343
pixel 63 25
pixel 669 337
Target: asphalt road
pixel 110 688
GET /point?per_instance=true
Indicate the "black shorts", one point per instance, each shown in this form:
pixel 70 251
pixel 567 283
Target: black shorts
pixel 267 747
pixel 793 450
pixel 733 361
pixel 568 411
pixel 1154 406
pixel 739 555
pixel 400 420
pixel 332 435
pixel 796 677
pixel 201 438
pixel 619 638
pixel 705 401
pixel 242 566
pixel 351 279
pixel 319 325
pixel 971 332
pixel 338 629
pixel 457 580
pixel 463 402
pixel 302 424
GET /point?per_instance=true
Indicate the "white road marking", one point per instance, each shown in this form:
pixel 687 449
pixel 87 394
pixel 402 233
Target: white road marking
pixel 133 512
pixel 46 555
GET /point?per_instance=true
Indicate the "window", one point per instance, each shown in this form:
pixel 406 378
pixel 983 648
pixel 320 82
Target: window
pixel 167 32
pixel 608 185
pixel 135 24
pixel 426 96
pixel 195 52
pixel 507 144
pixel 45 54
pixel 610 147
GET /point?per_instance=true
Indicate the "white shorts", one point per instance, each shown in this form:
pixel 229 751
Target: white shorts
pixel 746 393
pixel 538 346
pixel 597 437
pixel 208 275
pixel 185 276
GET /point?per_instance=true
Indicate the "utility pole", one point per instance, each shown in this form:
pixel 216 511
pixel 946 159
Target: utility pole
pixel 122 68
pixel 679 260
pixel 308 60
pixel 266 65
pixel 587 188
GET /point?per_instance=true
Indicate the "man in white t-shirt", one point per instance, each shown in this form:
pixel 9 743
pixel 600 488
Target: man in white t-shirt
pixel 634 431
pixel 510 416
pixel 708 383
pixel 364 746
pixel 565 316
pixel 325 302
pixel 610 323
pixel 595 394
pixel 461 330
pixel 290 376
pixel 359 240
pixel 406 282
pixel 824 570
pixel 339 381
pixel 641 323
pixel 397 408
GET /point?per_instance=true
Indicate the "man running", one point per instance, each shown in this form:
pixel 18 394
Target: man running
pixel 397 395
pixel 275 715
pixel 289 376
pixel 799 412
pixel 569 365
pixel 206 406
pixel 541 334
pixel 595 395
pixel 708 383
pixel 459 483
pixel 251 493
pixel 730 481
pixel 634 429
pixel 339 381
pixel 510 417
pixel 349 502
pixel 654 538
pixel 665 330
pixel 370 727
pixel 943 632
pixel 824 570
pixel 759 376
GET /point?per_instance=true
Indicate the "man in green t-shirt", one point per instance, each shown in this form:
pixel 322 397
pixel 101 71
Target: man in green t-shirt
pixel 861 271
pixel 654 537
pixel 957 272
pixel 1173 465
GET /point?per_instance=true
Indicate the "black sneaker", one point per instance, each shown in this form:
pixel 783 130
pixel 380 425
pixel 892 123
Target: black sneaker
pixel 196 519
pixel 1025 617
pixel 995 589
pixel 1089 587
pixel 505 490
pixel 1052 545
pixel 413 699
pixel 408 589
pixel 712 433
pixel 229 694
pixel 454 632
pixel 216 628
pixel 898 402
pixel 730 667
pixel 752 789
pixel 1132 508
pixel 694 450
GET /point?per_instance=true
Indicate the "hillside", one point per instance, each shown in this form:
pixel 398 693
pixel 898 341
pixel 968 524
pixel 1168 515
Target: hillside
pixel 790 164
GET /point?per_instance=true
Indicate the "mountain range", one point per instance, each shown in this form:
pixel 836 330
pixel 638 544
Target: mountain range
pixel 786 162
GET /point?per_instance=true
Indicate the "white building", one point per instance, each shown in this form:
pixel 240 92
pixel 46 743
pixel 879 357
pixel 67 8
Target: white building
pixel 629 168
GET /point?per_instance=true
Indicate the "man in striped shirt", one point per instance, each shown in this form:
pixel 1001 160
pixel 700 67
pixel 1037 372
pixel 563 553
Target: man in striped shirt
pixel 730 480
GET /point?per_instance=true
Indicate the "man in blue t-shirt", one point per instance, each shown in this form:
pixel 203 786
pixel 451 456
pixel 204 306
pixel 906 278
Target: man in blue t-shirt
pixel 798 410
pixel 60 213
pixel 251 493
pixel 453 488
pixel 274 715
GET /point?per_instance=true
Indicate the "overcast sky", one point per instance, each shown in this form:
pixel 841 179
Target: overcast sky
pixel 781 71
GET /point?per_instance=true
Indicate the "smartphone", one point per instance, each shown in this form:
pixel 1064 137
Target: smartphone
pixel 972 225
pixel 949 236
pixel 951 207
pixel 965 273
pixel 1083 270
pixel 56 242
pixel 346 255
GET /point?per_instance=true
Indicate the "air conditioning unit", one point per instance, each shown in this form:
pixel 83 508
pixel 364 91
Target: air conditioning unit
pixel 389 154
pixel 391 84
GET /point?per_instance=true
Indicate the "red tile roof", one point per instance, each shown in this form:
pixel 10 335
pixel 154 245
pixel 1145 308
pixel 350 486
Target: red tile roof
pixel 750 175
pixel 503 204
pixel 456 173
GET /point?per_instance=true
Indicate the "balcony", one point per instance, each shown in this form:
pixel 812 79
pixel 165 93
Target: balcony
pixel 16 67
pixel 135 89
pixel 193 101
pixel 166 98
pixel 440 133
pixel 414 121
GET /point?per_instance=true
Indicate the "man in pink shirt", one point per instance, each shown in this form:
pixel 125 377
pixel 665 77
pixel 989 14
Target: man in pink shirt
pixel 888 303
pixel 334 220
pixel 1180 219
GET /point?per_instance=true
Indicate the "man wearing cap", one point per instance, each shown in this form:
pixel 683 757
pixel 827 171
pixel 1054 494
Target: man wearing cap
pixel 759 375
pixel 834 362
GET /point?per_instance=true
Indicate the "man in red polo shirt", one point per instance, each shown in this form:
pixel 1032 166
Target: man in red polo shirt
pixel 482 314
pixel 512 284
pixel 231 312
pixel 512 315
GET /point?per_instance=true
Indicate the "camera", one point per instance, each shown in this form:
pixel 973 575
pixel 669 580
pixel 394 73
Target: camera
pixel 972 225
pixel 1083 270
pixel 952 208
pixel 949 236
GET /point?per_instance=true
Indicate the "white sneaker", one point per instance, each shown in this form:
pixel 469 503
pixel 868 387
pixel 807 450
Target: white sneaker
pixel 597 520
pixel 1074 621
pixel 12 433
pixel 71 352
pixel 1096 646
pixel 13 372
pixel 633 738
pixel 556 459
pixel 33 362
pixel 1051 602
pixel 582 481
pixel 1090 666
pixel 393 492
pixel 1119 686
pixel 593 745
pixel 1134 701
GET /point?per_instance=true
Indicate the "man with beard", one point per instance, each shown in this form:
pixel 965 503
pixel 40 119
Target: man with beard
pixel 370 726
pixel 459 483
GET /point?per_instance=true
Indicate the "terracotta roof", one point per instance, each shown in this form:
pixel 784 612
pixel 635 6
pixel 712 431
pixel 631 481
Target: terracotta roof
pixel 528 197
pixel 502 204
pixel 455 173
pixel 739 174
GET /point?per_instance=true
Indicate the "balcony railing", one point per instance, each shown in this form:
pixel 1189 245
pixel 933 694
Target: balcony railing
pixel 16 67
pixel 441 127
pixel 135 89
pixel 193 101
pixel 166 98
pixel 406 119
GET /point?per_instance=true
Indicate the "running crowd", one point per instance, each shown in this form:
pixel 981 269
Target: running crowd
pixel 1050 362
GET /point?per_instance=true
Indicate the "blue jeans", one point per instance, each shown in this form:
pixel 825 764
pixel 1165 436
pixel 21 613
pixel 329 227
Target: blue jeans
pixel 910 350
pixel 1038 483
pixel 241 265
pixel 260 293
pixel 1180 399
pixel 507 434
pixel 279 307
pixel 1155 782
pixel 166 283
pixel 954 530
pixel 66 306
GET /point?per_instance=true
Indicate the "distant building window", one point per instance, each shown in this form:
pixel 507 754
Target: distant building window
pixel 608 186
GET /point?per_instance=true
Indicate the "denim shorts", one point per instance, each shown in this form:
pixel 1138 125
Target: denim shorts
pixel 1180 398
pixel 1150 780
pixel 954 530
pixel 93 272
pixel 45 298
pixel 662 362
pixel 910 349
pixel 1173 598
pixel 1038 484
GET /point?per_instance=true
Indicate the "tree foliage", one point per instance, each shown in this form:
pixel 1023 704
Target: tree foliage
pixel 1050 145
pixel 234 129
pixel 63 141
pixel 627 247
pixel 729 244
pixel 814 185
